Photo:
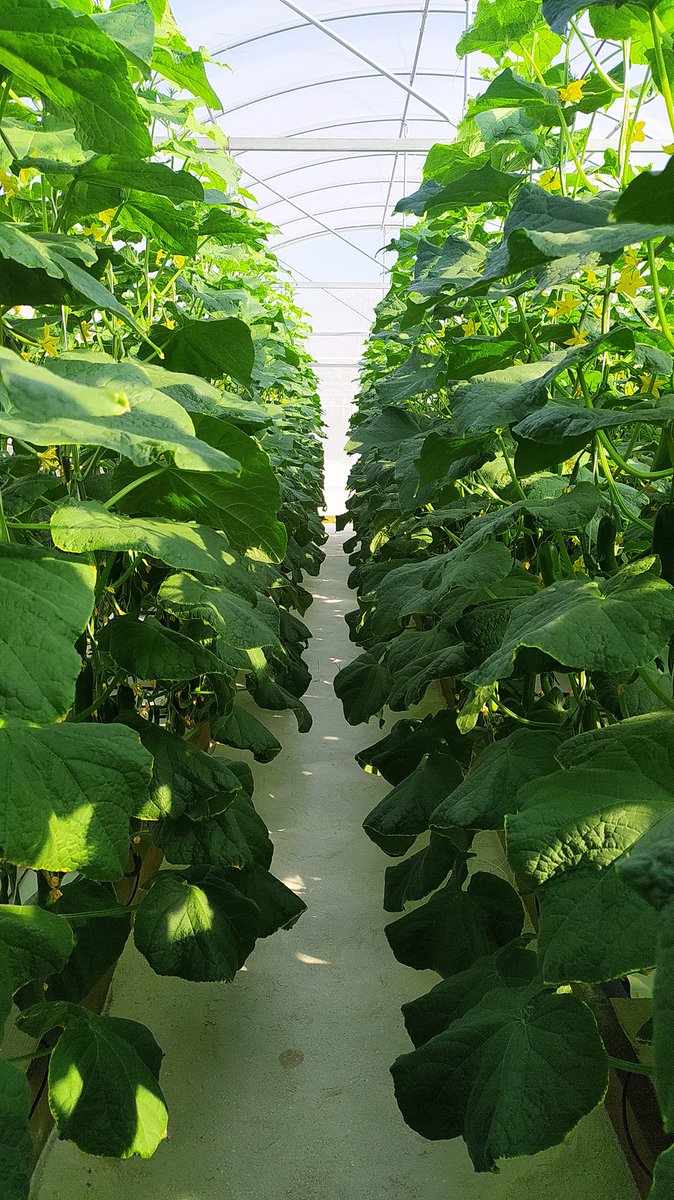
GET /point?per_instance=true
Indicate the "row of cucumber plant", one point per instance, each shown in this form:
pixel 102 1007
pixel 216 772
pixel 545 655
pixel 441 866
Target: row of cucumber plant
pixel 513 506
pixel 160 476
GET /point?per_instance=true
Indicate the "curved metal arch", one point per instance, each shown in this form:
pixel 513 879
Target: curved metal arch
pixel 329 187
pixel 324 162
pixel 372 11
pixel 315 83
pixel 394 119
pixel 306 237
pixel 326 212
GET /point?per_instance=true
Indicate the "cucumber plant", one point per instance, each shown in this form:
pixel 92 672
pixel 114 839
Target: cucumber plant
pixel 513 511
pixel 160 474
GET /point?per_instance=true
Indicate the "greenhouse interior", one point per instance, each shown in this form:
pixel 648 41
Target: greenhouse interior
pixel 337 599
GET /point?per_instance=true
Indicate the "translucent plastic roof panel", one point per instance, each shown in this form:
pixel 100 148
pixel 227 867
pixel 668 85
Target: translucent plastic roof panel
pixel 338 76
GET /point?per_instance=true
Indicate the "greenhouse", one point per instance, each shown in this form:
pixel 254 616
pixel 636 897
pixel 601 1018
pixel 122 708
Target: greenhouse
pixel 337 599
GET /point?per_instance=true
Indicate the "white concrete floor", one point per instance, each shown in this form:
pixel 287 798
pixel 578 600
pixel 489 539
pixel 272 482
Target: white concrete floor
pixel 278 1084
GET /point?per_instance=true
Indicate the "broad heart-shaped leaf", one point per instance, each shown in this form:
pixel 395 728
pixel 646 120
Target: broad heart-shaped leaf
pixel 34 254
pixel 498 25
pixel 417 876
pixel 572 510
pixel 583 834
pixel 478 184
pixel 419 373
pixel 132 27
pixel 363 687
pixel 617 625
pixel 99 940
pixel 502 398
pixel 35 942
pixel 184 778
pixel 424 587
pixel 16 1146
pixel 416 660
pixel 558 13
pixel 482 799
pixel 513 1071
pixel 97 369
pixel 38 662
pixel 217 841
pixel 397 754
pixel 455 927
pixel 541 228
pixel 208 348
pixel 243 731
pixel 80 71
pixel 441 268
pixel 148 650
pixel 195 926
pixel 186 69
pixel 82 526
pixel 243 507
pixel 278 906
pixel 104 1088
pixel 557 422
pixel 396 822
pixel 67 793
pixel 649 198
pixel 44 410
pixel 234 619
pixel 272 695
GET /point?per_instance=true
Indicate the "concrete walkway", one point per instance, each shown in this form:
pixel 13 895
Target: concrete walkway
pixel 278 1084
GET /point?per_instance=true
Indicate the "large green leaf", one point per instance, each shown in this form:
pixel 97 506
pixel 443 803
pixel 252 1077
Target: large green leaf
pixel 149 650
pixel 455 927
pixel 415 660
pixel 216 841
pixel 103 1081
pixel 278 906
pixel 68 792
pixel 45 410
pixel 499 24
pixel 574 839
pixel 417 876
pixel 35 942
pixel 404 813
pixel 79 70
pixel 99 940
pixel 243 507
pixel 616 625
pixel 572 510
pixel 53 260
pixel 502 398
pixel 195 926
pixel 16 1147
pixel 425 587
pixel 649 198
pixel 208 348
pixel 234 619
pixel 184 778
pixel 243 731
pixel 38 662
pixel 82 526
pixel 489 790
pixel 514 1068
pixel 363 687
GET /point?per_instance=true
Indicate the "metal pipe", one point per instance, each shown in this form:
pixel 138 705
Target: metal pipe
pixel 304 211
pixel 371 62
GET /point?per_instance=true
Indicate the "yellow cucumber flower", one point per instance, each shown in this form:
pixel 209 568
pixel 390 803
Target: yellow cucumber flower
pixel 578 337
pixel 573 92
pixel 47 342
